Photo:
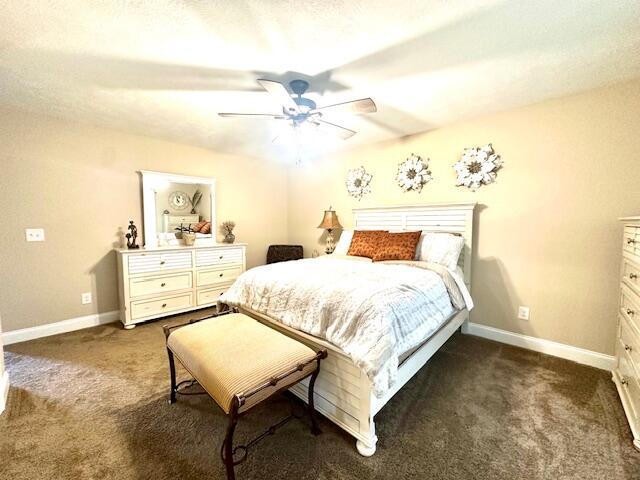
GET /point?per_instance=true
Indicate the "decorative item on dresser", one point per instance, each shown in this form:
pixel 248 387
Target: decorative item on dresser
pixel 132 236
pixel 179 200
pixel 330 222
pixel 227 228
pixel 195 200
pixel 172 223
pixel 626 376
pixel 156 282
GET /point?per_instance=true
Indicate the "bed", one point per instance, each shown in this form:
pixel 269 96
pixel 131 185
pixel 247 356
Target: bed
pixel 349 391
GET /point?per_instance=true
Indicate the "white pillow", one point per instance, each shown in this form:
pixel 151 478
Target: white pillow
pixel 441 248
pixel 342 247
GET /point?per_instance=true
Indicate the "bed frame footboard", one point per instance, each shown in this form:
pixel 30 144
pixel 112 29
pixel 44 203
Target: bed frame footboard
pixel 343 393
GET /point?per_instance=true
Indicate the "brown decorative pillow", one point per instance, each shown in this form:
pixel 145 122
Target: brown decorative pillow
pixel 199 226
pixel 206 228
pixel 365 242
pixel 397 246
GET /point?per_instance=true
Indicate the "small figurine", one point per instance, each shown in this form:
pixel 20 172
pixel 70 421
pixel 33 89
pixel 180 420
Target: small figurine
pixel 132 236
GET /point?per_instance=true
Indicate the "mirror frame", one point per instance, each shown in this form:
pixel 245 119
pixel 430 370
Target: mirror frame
pixel 149 202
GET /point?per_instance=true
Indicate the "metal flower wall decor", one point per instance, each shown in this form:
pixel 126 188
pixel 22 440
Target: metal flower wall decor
pixel 413 173
pixel 358 181
pixel 477 167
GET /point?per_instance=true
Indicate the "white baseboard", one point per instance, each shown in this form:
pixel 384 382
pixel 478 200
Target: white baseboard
pixel 575 354
pixel 4 389
pixel 78 323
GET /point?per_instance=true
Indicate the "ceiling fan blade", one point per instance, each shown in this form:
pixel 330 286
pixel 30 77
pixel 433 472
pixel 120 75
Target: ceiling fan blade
pixel 252 115
pixel 280 92
pixel 354 107
pixel 333 129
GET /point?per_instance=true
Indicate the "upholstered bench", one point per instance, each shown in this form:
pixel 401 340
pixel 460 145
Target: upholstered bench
pixel 239 362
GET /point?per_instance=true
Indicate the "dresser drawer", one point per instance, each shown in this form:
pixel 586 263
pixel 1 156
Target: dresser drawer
pixel 631 274
pixel 139 286
pixel 183 219
pixel 630 342
pixel 218 256
pixel 147 308
pixel 630 306
pixel 629 379
pixel 145 263
pixel 210 295
pixel 217 276
pixel 631 240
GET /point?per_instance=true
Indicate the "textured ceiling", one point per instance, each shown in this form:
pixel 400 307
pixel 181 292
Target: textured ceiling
pixel 165 68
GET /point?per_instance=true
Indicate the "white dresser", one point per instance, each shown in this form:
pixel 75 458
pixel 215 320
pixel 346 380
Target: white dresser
pixel 627 373
pixel 156 282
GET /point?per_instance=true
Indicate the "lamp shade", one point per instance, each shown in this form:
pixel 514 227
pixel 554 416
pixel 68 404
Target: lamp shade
pixel 330 220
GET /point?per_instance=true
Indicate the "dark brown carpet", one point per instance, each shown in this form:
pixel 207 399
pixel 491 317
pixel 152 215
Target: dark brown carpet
pixel 92 404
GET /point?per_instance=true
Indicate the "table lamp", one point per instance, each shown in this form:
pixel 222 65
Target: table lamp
pixel 330 222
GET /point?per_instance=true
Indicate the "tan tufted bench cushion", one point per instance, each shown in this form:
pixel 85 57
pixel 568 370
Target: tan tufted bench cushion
pixel 234 354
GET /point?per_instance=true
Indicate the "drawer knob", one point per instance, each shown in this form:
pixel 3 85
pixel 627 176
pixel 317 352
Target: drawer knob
pixel 630 312
pixel 630 241
pixel 633 276
pixel 161 262
pixel 624 381
pixel 164 305
pixel 163 284
pixel 221 257
pixel 628 348
pixel 221 274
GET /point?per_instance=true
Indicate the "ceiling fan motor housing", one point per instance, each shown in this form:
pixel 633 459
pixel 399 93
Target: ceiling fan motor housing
pixel 299 86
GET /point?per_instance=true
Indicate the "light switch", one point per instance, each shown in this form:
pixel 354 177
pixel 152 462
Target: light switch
pixel 34 234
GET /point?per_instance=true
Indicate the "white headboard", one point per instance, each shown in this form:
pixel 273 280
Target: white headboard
pixel 433 217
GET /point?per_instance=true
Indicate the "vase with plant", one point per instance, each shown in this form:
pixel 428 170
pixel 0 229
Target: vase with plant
pixel 188 234
pixel 195 200
pixel 227 230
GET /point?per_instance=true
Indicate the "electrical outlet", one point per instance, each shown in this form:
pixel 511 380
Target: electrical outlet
pixel 34 234
pixel 523 313
pixel 86 298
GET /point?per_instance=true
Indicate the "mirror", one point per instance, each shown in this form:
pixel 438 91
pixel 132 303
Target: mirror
pixel 178 209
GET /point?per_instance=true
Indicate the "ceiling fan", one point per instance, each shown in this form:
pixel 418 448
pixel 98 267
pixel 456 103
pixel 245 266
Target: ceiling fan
pixel 300 110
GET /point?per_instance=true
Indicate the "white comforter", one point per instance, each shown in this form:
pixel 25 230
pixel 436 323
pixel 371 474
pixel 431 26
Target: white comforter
pixel 374 312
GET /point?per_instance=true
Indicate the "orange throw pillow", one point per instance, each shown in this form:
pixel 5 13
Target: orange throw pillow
pixel 397 246
pixel 199 226
pixel 365 242
pixel 206 228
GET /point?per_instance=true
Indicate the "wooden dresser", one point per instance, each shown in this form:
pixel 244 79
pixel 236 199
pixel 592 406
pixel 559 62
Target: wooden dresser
pixel 156 282
pixel 627 373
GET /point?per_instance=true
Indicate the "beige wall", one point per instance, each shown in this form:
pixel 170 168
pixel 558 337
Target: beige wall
pixel 547 233
pixel 80 184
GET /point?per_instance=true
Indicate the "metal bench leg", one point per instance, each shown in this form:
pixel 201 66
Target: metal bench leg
pixel 172 373
pixel 227 446
pixel 315 430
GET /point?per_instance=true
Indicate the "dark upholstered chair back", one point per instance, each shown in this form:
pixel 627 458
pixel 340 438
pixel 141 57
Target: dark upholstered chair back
pixel 283 253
